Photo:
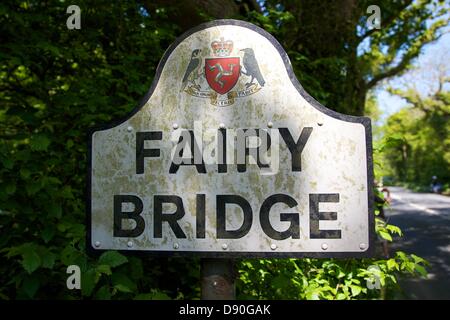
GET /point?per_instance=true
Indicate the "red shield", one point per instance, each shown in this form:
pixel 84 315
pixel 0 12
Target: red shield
pixel 222 73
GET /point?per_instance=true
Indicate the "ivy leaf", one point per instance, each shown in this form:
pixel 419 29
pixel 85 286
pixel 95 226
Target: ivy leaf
pixel 112 259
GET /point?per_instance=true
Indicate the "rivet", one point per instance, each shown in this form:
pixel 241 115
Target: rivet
pixel 129 244
pixel 273 246
pixel 222 126
pixel 270 124
pixel 97 244
pixel 175 126
pixel 176 246
pixel 362 246
pixel 324 246
pixel 224 246
pixel 130 128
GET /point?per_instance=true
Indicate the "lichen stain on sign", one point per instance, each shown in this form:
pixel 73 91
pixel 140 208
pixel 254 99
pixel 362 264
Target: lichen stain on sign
pixel 228 155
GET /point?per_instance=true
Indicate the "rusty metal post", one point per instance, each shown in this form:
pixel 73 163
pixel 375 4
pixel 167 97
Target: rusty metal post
pixel 218 279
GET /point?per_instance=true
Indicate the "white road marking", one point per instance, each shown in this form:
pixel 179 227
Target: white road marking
pixel 417 206
pixel 430 211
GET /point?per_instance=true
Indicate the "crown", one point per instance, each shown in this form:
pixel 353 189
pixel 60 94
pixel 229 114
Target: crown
pixel 222 48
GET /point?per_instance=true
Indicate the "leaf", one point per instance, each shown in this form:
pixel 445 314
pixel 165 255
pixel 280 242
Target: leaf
pixel 421 270
pixel 112 259
pixel 48 259
pixel 385 235
pixel 47 234
pixel 25 173
pixel 160 296
pixel 30 259
pixel 340 296
pixel 123 288
pixel 88 281
pixel 32 188
pixel 280 281
pixel 39 142
pixel 136 268
pixel 8 163
pixel 10 188
pixel 55 210
pixel 30 285
pixel 122 283
pixel 68 255
pixel 355 290
pixel 391 263
pixel 104 268
pixel 417 259
pixel 144 296
pixel 394 229
pixel 103 293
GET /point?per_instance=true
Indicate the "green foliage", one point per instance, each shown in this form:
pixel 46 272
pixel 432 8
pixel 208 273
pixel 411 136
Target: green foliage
pixel 422 149
pixel 338 57
pixel 56 83
pixel 330 279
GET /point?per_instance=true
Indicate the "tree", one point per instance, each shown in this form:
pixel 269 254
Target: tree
pixel 338 57
pixel 424 129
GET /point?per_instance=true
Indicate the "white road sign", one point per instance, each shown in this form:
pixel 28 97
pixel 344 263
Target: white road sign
pixel 228 155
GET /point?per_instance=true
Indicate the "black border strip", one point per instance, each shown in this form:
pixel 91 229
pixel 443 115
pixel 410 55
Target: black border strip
pixel 365 121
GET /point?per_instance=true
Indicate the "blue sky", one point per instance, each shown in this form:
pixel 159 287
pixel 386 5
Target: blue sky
pixel 390 104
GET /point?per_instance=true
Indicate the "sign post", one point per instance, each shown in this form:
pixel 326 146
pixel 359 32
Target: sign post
pixel 228 156
pixel 218 279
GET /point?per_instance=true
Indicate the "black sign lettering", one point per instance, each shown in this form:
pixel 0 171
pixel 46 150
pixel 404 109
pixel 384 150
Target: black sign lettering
pixel 244 135
pixel 141 152
pixel 171 218
pixel 294 228
pixel 296 148
pixel 222 150
pixel 221 202
pixel 182 143
pixel 316 216
pixel 135 215
pixel 200 210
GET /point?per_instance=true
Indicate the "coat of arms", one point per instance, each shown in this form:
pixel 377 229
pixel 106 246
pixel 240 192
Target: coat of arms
pixel 216 76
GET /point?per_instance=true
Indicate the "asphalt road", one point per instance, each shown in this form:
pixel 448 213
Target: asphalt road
pixel 425 221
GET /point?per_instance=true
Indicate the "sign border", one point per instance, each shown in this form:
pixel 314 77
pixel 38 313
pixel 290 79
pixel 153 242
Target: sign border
pixel 365 121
